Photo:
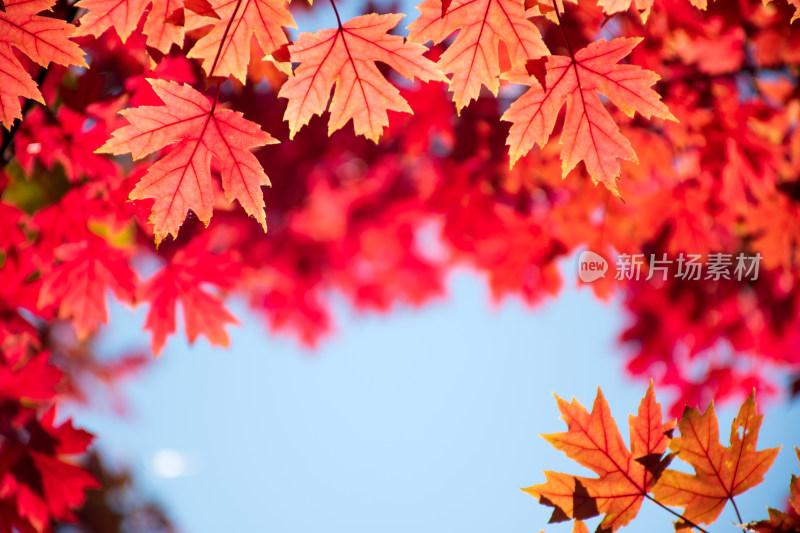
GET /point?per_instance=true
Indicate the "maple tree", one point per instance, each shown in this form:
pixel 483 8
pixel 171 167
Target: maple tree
pixel 684 113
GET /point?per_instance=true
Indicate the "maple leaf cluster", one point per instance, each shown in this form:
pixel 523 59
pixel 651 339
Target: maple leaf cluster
pixel 686 113
pixel 626 477
pixel 39 483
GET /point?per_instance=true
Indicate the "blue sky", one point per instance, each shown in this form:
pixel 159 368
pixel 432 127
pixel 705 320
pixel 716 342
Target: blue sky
pixel 421 420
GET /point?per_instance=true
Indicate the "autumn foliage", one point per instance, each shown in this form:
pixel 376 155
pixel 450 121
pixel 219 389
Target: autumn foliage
pixel 627 477
pixel 177 154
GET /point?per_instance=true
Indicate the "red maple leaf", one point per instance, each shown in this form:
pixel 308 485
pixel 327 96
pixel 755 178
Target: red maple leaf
pixel 474 58
pixel 590 133
pixel 69 139
pixel 199 131
pixel 345 57
pixel 78 280
pixel 11 220
pixel 163 26
pixel 263 20
pixel 33 379
pixel 184 280
pixel 35 473
pixel 43 39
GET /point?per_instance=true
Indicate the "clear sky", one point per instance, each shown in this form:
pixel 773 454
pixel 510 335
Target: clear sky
pixel 422 421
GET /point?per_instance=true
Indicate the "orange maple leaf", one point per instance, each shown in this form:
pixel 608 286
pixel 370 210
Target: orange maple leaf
pixel 263 19
pixel 43 39
pixel 346 57
pixel 124 16
pixel 625 477
pixel 589 134
pixel 474 57
pixel 181 180
pixel 721 473
pixel 163 26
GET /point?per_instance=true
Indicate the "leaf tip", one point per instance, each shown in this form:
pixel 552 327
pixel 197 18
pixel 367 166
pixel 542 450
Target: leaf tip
pixel 671 117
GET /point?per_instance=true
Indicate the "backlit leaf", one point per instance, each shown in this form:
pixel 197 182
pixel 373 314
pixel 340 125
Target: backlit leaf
pixel 184 280
pixel 590 133
pixel 262 19
pixel 345 57
pixel 474 57
pixel 720 472
pixel 198 131
pixel 43 39
pixel 624 477
pixel 163 25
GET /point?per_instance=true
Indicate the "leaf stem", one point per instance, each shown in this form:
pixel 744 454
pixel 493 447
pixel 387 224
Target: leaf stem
pixel 564 33
pixel 689 522
pixel 216 99
pixel 571 55
pixel 224 36
pixel 336 11
pixel 216 61
pixel 735 508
